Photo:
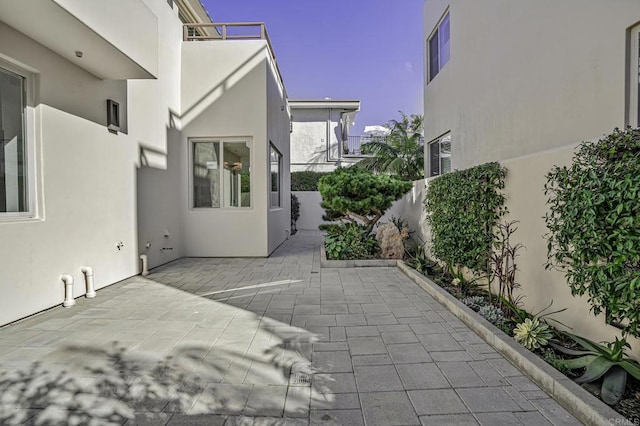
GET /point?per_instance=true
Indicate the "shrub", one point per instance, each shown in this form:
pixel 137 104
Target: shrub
pixel 594 225
pixel 350 241
pixel 463 208
pixel 305 181
pixel 295 213
pixel 358 196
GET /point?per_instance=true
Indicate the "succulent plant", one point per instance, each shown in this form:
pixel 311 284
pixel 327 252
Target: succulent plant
pixel 474 302
pixel 532 333
pixel 491 313
pixel 608 361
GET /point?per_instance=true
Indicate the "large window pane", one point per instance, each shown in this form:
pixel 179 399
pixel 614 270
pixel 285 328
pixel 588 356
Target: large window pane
pixel 206 174
pixel 433 56
pixel 443 36
pixel 445 154
pixel 237 177
pixel 276 159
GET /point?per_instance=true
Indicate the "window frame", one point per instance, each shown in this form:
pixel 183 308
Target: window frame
pixel 29 133
pixel 436 36
pixel 438 141
pixel 273 149
pixel 633 118
pixel 220 167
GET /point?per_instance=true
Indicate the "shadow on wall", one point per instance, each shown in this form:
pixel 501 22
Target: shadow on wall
pixel 109 384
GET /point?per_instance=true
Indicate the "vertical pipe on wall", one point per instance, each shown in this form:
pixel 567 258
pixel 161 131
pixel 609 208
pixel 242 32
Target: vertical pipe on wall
pixel 67 280
pixel 88 279
pixel 145 265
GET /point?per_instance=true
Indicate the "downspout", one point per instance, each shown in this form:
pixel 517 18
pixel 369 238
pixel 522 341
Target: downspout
pixel 67 280
pixel 88 279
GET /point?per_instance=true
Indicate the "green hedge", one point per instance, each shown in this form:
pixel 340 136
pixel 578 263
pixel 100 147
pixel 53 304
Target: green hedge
pixel 305 181
pixel 594 224
pixel 463 207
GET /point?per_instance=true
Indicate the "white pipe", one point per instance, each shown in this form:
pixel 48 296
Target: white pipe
pixel 88 279
pixel 145 265
pixel 68 290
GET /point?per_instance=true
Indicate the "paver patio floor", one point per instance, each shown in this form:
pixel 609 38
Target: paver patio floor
pixel 261 341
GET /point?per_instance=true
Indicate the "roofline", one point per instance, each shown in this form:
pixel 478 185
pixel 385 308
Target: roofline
pixel 194 11
pixel 324 103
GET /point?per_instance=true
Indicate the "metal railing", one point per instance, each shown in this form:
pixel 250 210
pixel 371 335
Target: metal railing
pixel 227 31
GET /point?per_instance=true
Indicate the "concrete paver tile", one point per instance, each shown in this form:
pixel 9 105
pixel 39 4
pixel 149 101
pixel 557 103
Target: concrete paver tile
pixel 336 417
pixel 388 408
pixel 422 376
pixel 377 378
pixel 408 353
pixel 448 420
pixel 488 399
pixel 440 401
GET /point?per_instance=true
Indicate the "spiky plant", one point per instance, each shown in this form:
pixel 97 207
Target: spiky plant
pixel 608 361
pixel 532 333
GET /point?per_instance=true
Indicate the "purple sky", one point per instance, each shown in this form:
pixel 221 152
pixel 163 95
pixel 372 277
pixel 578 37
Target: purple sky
pixel 370 50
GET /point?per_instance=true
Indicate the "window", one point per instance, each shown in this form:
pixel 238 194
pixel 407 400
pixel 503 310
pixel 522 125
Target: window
pixel 221 174
pixel 276 160
pixel 438 47
pixel 14 171
pixel 634 94
pixel 440 155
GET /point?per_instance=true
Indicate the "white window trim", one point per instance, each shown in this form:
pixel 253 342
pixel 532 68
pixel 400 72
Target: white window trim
pixel 221 140
pixel 33 210
pixel 634 77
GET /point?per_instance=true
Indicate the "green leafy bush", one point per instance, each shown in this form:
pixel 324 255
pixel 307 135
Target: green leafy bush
pixel 295 213
pixel 463 208
pixel 350 241
pixel 305 181
pixel 358 196
pixel 594 225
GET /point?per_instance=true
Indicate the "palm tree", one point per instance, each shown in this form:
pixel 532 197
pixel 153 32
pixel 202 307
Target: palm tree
pixel 401 153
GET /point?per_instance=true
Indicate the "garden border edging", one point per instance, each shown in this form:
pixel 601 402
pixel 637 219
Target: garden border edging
pixel 583 405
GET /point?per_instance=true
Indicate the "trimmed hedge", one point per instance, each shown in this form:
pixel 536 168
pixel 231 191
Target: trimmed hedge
pixel 594 226
pixel 463 207
pixel 305 181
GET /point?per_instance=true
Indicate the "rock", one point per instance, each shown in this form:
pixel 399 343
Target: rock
pixel 391 241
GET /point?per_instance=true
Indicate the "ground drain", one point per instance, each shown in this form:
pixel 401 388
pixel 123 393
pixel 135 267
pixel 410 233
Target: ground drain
pixel 300 379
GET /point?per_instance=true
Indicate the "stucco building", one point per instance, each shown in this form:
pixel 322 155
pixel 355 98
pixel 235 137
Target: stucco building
pixel 124 132
pixel 523 83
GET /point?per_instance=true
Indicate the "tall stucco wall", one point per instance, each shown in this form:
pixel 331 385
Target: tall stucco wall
pixel 527 77
pixel 278 120
pixel 224 94
pixel 314 139
pixel 153 107
pixel 85 178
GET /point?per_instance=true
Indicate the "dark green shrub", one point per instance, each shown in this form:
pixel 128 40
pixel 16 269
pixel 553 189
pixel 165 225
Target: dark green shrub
pixel 594 225
pixel 358 196
pixel 463 208
pixel 295 213
pixel 350 241
pixel 305 181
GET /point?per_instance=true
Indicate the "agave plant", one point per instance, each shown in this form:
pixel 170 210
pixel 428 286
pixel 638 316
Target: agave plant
pixel 532 333
pixel 608 361
pixel 474 302
pixel 491 313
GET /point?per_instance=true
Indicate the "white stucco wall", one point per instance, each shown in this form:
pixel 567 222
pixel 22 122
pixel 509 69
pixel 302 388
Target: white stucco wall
pixel 224 94
pixel 86 177
pixel 314 139
pixel 278 120
pixel 524 85
pixel 528 77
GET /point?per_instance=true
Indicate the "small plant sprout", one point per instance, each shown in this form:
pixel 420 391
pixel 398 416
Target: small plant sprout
pixel 532 333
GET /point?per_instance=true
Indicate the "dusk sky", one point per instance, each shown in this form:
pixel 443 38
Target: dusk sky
pixel 368 50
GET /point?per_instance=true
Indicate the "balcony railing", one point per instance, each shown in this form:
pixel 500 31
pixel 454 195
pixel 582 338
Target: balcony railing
pixel 231 31
pixel 353 144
